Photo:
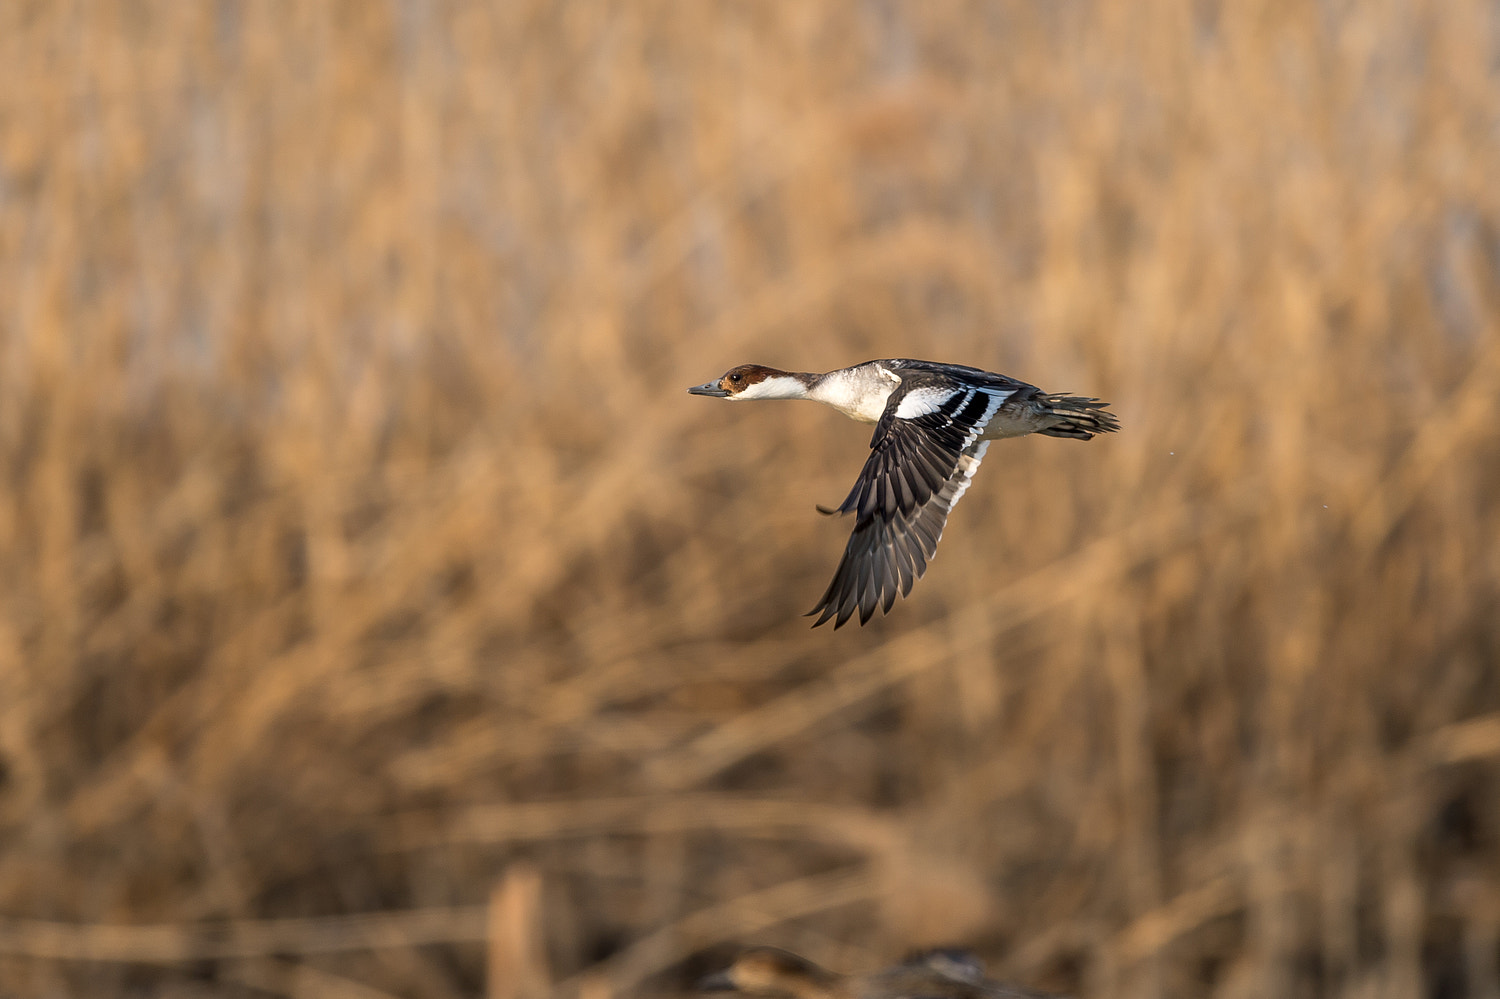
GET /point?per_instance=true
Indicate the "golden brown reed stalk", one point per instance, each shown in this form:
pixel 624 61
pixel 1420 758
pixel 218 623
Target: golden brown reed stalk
pixel 357 541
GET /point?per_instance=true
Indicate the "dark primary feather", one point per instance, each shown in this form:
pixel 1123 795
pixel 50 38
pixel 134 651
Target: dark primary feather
pixel 917 469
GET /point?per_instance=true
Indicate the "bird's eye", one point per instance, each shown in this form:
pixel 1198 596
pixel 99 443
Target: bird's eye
pixel 734 377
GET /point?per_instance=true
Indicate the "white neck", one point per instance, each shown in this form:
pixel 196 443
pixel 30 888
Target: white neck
pixel 776 387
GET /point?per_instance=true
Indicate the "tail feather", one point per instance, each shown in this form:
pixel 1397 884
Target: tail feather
pixel 1077 417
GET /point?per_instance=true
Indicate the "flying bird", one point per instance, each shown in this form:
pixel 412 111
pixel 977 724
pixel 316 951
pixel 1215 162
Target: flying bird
pixel 933 424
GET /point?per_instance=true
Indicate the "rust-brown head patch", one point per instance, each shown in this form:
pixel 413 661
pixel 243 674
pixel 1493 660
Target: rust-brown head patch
pixel 737 379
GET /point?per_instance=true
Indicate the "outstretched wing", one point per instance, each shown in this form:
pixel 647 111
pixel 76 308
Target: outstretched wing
pixel 925 451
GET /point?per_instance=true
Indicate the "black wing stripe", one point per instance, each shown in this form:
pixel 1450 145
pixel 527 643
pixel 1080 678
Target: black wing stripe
pixel 973 410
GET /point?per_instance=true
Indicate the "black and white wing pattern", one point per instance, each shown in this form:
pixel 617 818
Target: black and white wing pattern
pixel 925 451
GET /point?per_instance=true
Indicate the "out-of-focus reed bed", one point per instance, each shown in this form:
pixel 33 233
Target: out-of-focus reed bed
pixel 358 541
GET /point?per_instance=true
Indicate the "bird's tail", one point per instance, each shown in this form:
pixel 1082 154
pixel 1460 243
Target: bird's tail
pixel 1077 417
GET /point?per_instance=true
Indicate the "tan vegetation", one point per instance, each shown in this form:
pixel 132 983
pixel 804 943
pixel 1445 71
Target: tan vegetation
pixel 359 542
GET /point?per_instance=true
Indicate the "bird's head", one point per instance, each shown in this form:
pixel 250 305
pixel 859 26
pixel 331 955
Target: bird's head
pixel 753 381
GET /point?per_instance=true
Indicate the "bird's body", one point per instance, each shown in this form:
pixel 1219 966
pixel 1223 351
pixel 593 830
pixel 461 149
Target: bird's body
pixel 945 974
pixel 933 423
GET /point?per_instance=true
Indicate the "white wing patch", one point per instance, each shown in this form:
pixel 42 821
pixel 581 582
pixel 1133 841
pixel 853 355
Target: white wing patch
pixel 920 402
pixel 967 465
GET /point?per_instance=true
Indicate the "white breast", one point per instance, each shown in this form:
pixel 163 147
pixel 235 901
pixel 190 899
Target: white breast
pixel 859 393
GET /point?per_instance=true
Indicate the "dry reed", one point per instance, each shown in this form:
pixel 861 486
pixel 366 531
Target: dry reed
pixel 358 541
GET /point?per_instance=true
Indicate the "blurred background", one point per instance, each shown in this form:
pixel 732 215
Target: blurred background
pixel 380 617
